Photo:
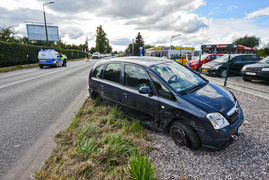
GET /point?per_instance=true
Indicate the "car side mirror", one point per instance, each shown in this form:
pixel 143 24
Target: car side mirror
pixel 145 90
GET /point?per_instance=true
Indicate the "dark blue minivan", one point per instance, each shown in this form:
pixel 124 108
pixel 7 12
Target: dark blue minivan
pixel 167 96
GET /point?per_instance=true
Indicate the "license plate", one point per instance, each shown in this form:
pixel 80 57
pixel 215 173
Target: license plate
pixel 204 70
pixel 251 73
pixel 240 129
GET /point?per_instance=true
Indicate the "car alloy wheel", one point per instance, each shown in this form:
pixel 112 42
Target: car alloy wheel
pixel 223 73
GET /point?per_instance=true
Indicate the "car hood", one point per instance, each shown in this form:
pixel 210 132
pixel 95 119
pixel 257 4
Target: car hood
pixel 211 64
pixel 212 98
pixel 194 60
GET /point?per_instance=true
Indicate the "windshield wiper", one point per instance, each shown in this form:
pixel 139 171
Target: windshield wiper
pixel 197 87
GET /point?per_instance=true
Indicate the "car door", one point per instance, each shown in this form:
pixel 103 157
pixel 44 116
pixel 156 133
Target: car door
pixel 169 107
pixel 110 86
pixel 144 107
pixel 209 58
pixel 236 65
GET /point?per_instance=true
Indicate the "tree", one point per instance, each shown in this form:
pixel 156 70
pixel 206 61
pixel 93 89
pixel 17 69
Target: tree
pixel 139 42
pixel 263 51
pixel 7 34
pixel 24 40
pixel 108 47
pixel 129 49
pixel 102 43
pixel 83 46
pixel 92 50
pixel 250 41
pixel 147 46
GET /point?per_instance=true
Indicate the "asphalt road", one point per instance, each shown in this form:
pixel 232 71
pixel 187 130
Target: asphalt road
pixel 34 104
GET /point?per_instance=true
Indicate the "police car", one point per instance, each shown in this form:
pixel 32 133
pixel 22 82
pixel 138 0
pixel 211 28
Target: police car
pixel 50 57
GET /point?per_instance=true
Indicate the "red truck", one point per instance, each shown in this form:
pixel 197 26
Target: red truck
pixel 205 58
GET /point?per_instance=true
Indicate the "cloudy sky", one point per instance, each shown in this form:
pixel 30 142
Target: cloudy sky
pixel 198 21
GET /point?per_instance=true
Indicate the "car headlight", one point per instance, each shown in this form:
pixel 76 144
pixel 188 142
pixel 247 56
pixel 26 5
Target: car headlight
pixel 265 69
pixel 217 120
pixel 215 67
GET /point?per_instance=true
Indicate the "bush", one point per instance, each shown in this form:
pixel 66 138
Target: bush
pixel 12 54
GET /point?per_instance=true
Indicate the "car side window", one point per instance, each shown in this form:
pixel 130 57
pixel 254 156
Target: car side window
pixel 98 71
pixel 250 58
pixel 162 89
pixel 112 72
pixel 237 59
pixel 211 57
pixel 135 77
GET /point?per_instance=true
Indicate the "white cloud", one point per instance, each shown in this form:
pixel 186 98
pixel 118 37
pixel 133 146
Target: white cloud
pixel 230 8
pixel 157 20
pixel 258 13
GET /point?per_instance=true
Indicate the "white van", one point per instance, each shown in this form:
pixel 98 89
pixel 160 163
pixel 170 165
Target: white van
pixel 49 57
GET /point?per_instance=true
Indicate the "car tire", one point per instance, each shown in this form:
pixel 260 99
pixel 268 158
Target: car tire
pixel 41 67
pixel 245 79
pixel 223 73
pixel 184 135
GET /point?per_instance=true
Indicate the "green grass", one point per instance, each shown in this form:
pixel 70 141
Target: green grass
pixel 18 67
pixel 140 167
pixel 100 143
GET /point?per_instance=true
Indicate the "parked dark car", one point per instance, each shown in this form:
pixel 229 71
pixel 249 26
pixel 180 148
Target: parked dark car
pixel 257 71
pixel 237 61
pixel 167 96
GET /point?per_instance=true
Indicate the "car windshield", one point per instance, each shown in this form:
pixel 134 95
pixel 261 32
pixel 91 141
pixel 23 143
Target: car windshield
pixel 202 57
pixel 265 60
pixel 179 78
pixel 223 59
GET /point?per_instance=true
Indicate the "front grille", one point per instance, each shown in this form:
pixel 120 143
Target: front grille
pixel 252 69
pixel 233 114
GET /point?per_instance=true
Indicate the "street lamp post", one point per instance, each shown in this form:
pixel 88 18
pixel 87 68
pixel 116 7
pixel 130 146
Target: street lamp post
pixel 172 38
pixel 46 22
pixel 171 41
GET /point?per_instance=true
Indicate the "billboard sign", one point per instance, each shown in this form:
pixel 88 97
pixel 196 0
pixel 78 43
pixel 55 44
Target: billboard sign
pixel 38 33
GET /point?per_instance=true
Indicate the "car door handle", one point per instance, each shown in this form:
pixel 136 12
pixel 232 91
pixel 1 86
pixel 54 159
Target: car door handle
pixel 124 95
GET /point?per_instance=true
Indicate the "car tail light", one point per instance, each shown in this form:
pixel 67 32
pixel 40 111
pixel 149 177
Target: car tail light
pixel 52 59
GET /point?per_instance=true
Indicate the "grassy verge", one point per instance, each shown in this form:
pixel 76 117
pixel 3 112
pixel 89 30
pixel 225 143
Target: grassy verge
pixel 100 143
pixel 19 67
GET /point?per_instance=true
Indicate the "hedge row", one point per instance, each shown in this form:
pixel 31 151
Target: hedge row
pixel 12 54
